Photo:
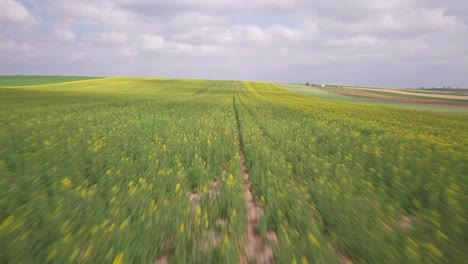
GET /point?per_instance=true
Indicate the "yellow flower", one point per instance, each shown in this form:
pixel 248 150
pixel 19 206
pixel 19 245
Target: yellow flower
pixel 74 254
pixel 66 182
pixel 52 253
pixel 177 188
pixel 182 228
pixel 124 224
pixel 313 240
pixel 441 235
pixel 230 181
pixel 118 259
pixel 7 222
pixel 88 252
pixel 111 228
pixel 435 251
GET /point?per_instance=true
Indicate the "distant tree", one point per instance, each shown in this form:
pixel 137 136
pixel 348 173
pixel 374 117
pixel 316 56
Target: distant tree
pixel 307 83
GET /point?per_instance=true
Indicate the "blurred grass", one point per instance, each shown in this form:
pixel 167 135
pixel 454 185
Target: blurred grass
pixel 100 171
pixel 368 183
pixel 103 171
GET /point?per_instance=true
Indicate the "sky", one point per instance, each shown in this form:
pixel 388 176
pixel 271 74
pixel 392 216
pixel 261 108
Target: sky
pixel 385 43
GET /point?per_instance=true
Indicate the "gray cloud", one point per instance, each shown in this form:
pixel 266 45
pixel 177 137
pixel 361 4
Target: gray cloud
pixel 380 42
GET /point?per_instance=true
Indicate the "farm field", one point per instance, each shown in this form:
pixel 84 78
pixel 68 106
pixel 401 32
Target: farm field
pixel 411 94
pixel 397 96
pixel 145 170
pixel 381 98
pixel 443 91
pixel 452 98
pixel 22 80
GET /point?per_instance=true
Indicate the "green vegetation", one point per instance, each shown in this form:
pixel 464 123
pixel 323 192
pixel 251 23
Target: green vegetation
pixel 101 171
pixel 21 80
pixel 129 170
pixel 320 93
pixel 363 173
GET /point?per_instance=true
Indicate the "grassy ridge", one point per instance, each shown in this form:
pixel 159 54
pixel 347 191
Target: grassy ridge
pixel 23 80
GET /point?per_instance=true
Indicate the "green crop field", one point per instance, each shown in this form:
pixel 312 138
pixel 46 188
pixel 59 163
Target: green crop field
pixel 21 80
pixel 142 170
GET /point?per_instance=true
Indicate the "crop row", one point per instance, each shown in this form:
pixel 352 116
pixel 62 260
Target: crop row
pixel 102 178
pixel 380 185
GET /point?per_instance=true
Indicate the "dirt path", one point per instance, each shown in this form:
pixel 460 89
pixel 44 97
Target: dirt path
pixel 445 96
pixel 255 248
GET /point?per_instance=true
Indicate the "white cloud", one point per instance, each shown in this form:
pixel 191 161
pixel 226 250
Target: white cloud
pixel 64 35
pixel 280 32
pixel 128 52
pixel 194 50
pixel 102 13
pixel 12 47
pixel 13 12
pixel 152 42
pixel 241 35
pixel 246 39
pixel 113 38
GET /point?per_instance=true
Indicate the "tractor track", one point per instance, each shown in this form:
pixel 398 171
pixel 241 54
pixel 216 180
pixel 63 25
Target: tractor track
pixel 255 248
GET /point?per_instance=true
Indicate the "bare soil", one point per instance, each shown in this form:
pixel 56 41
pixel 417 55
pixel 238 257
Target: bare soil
pixel 162 260
pixel 256 250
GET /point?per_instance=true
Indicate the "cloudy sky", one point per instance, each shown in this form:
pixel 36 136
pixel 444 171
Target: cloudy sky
pixel 405 43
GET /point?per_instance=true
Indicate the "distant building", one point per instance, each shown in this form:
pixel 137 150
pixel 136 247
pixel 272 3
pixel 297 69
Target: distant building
pixel 323 85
